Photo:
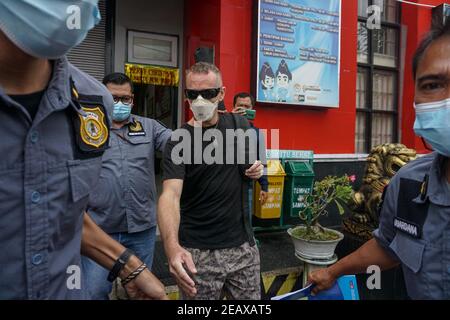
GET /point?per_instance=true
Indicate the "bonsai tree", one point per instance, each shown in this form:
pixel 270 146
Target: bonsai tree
pixel 331 190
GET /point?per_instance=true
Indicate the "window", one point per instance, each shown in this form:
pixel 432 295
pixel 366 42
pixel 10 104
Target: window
pixel 363 49
pixel 385 47
pixel 377 80
pixel 153 49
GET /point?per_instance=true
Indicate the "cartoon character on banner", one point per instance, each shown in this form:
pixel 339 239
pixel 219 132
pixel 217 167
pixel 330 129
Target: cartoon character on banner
pixel 267 78
pixel 284 77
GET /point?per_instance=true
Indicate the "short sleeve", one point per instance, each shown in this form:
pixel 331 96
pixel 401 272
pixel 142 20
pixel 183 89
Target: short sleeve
pixel 386 232
pixel 160 135
pixel 172 169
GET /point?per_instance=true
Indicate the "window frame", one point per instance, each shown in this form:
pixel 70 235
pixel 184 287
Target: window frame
pixel 370 69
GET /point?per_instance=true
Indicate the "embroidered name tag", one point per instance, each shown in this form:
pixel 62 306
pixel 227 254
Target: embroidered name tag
pixel 136 133
pixel 408 227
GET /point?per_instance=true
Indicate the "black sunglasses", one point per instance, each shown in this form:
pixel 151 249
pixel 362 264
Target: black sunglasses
pixel 206 94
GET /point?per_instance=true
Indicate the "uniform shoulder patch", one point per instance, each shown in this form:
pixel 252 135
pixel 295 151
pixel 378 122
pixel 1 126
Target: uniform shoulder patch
pixel 89 123
pixel 135 128
pixel 93 128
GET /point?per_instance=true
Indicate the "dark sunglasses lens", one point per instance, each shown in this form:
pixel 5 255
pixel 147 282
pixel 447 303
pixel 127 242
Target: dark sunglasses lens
pixel 206 94
pixel 192 94
pixel 210 93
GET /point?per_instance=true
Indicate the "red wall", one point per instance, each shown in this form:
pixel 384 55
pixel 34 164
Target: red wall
pixel 321 130
pixel 201 28
pixel 227 25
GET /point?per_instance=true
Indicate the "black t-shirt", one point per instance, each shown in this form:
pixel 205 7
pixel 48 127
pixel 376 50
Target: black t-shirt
pixel 213 204
pixel 29 101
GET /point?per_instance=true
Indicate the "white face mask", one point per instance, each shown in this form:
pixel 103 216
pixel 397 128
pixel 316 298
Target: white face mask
pixel 203 109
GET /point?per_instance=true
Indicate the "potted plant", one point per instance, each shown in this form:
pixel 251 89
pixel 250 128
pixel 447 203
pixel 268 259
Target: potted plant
pixel 311 240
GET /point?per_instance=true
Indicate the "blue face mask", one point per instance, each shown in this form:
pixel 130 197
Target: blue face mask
pixel 47 29
pixel 433 124
pixel 121 112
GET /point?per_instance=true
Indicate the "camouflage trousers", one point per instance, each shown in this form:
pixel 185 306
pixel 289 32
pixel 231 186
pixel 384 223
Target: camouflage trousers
pixel 232 273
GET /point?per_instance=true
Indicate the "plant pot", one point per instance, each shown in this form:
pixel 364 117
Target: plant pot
pixel 315 249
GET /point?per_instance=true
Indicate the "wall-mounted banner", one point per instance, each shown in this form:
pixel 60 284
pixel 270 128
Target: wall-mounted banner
pixel 299 52
pixel 158 76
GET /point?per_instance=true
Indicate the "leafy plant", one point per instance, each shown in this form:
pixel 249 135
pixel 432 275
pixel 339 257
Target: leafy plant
pixel 331 190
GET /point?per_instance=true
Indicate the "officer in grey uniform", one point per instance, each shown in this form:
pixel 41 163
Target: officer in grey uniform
pixel 123 203
pixel 414 229
pixel 414 226
pixel 52 141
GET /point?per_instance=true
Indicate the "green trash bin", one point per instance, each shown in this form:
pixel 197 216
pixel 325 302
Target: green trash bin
pixel 298 184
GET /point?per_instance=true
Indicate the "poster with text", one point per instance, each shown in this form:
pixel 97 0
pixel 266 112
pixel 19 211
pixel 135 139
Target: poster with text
pixel 299 52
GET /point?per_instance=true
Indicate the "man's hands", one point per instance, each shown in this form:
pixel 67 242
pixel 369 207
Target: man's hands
pixel 141 288
pixel 323 280
pixel 145 286
pixel 263 195
pixel 104 250
pixel 370 253
pixel 240 111
pixel 256 171
pixel 182 268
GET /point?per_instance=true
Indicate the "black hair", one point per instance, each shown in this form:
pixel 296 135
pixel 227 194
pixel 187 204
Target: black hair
pixel 266 70
pixel 284 69
pixel 118 78
pixel 439 30
pixel 244 95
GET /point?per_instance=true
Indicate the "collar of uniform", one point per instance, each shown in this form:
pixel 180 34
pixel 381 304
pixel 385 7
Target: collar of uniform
pixel 7 101
pixel 437 191
pixel 58 91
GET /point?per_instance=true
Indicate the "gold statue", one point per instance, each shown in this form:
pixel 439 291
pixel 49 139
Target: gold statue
pixel 383 163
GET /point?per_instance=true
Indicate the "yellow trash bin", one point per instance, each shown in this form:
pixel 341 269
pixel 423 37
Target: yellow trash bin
pixel 272 208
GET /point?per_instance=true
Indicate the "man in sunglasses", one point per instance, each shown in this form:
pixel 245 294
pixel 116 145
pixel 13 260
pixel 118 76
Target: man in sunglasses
pixel 123 203
pixel 203 209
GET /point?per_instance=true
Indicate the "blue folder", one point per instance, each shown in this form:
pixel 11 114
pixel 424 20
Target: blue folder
pixel 345 288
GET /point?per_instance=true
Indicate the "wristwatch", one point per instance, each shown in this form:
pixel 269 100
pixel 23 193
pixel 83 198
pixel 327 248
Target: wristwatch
pixel 119 264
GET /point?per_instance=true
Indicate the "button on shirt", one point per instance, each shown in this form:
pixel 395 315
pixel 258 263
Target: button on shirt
pixel 44 189
pixel 125 198
pixel 425 260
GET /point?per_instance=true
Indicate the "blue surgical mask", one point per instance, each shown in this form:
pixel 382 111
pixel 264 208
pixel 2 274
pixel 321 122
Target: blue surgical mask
pixel 121 112
pixel 433 124
pixel 47 29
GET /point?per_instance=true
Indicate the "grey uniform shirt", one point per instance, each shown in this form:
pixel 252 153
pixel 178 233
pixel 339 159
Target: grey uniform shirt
pixel 44 188
pixel 125 198
pixel 425 259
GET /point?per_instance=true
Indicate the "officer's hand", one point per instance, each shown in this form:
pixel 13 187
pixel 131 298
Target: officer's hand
pixel 323 279
pixel 263 195
pixel 255 171
pixel 240 111
pixel 182 267
pixel 222 111
pixel 146 287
